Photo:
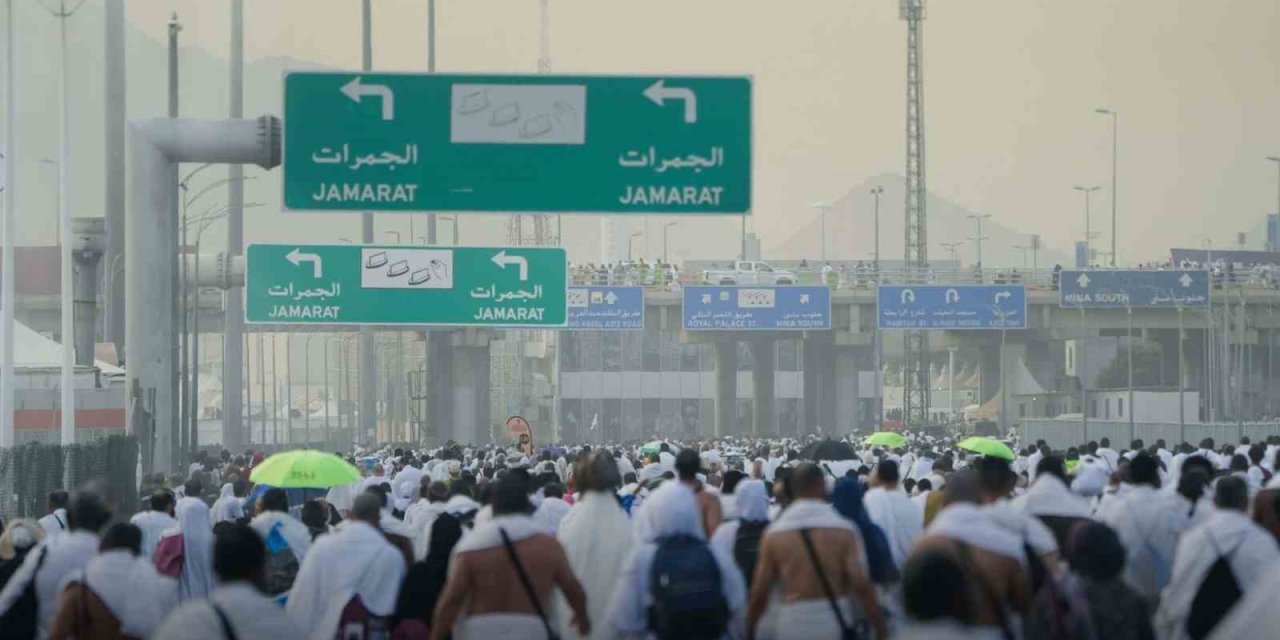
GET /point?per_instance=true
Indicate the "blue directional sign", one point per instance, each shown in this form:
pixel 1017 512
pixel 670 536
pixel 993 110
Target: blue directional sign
pixel 759 308
pixel 952 307
pixel 1098 289
pixel 606 307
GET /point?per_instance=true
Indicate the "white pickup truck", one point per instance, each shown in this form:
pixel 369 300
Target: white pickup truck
pixel 748 272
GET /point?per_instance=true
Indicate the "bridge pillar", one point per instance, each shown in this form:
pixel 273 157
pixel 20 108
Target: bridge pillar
pixel 764 366
pixel 726 387
pixel 469 402
pixel 439 387
pixel 819 383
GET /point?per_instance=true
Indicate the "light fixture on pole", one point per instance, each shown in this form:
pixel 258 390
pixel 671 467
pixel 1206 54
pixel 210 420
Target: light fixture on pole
pixel 951 248
pixel 1276 159
pixel 823 208
pixel 1088 228
pixel 979 238
pixel 1115 120
pixel 876 192
pixel 1024 248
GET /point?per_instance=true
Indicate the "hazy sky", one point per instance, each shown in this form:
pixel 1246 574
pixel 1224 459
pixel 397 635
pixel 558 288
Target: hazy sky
pixel 1010 89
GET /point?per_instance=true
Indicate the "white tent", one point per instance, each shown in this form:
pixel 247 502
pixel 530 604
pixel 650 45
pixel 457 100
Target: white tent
pixel 34 351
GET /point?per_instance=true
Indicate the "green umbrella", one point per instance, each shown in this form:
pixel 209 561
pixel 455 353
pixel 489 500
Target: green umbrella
pixel 886 439
pixel 656 446
pixel 987 447
pixel 304 468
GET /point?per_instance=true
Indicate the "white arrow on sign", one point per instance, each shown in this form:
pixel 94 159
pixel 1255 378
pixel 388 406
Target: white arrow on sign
pixel 1186 280
pixel 355 90
pixel 502 260
pixel 951 296
pixel 297 258
pixel 1001 295
pixel 908 296
pixel 659 92
pixel 610 298
pixel 1083 281
pixel 804 298
pixel 706 298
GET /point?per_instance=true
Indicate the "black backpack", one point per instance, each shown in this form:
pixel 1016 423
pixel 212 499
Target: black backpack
pixel 281 566
pixel 746 546
pixel 684 585
pixel 22 619
pixel 1219 591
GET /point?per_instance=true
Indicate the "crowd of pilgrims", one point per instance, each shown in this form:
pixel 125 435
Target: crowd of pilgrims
pixel 730 538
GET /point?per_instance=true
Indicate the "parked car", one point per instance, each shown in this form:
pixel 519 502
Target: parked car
pixel 749 272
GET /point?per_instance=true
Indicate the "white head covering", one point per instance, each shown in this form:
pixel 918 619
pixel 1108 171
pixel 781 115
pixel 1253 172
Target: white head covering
pixel 196 580
pixel 670 510
pixel 752 499
pixel 228 508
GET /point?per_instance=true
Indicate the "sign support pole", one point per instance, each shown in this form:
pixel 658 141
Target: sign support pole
pixel 1182 386
pixel 1129 339
pixel 1084 379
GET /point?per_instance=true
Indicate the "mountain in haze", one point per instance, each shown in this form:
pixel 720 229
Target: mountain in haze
pixel 850 231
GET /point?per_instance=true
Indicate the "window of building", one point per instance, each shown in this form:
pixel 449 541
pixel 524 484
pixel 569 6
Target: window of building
pixel 1120 405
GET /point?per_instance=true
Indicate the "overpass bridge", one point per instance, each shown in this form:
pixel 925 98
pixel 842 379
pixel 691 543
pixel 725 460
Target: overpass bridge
pixel 632 384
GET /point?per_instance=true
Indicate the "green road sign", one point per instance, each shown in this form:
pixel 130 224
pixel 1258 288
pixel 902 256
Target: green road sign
pixel 434 142
pixel 363 284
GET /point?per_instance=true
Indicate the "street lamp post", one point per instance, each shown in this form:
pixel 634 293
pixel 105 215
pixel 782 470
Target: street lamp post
pixel 978 218
pixel 951 248
pixel 823 208
pixel 875 193
pixel 665 227
pixel 1115 119
pixel 1276 159
pixel 1088 227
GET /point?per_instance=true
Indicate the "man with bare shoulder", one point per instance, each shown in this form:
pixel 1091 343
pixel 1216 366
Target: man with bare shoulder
pixel 504 573
pixel 688 464
pixel 815 558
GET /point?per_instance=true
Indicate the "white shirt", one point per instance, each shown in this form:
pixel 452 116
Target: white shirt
pixel 1149 523
pixel 54 523
pixel 1252 553
pixel 63 554
pixel 900 518
pixel 355 559
pixel 250 614
pixel 152 524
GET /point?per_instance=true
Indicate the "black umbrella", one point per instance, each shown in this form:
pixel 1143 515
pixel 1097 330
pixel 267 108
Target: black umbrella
pixel 828 450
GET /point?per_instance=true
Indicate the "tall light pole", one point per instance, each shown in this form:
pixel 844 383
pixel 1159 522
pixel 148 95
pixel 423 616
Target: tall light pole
pixel 368 349
pixel 823 208
pixel 1088 227
pixel 951 248
pixel 978 218
pixel 1115 119
pixel 431 68
pixel 1024 248
pixel 1276 159
pixel 63 164
pixel 665 227
pixel 876 193
pixel 7 280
